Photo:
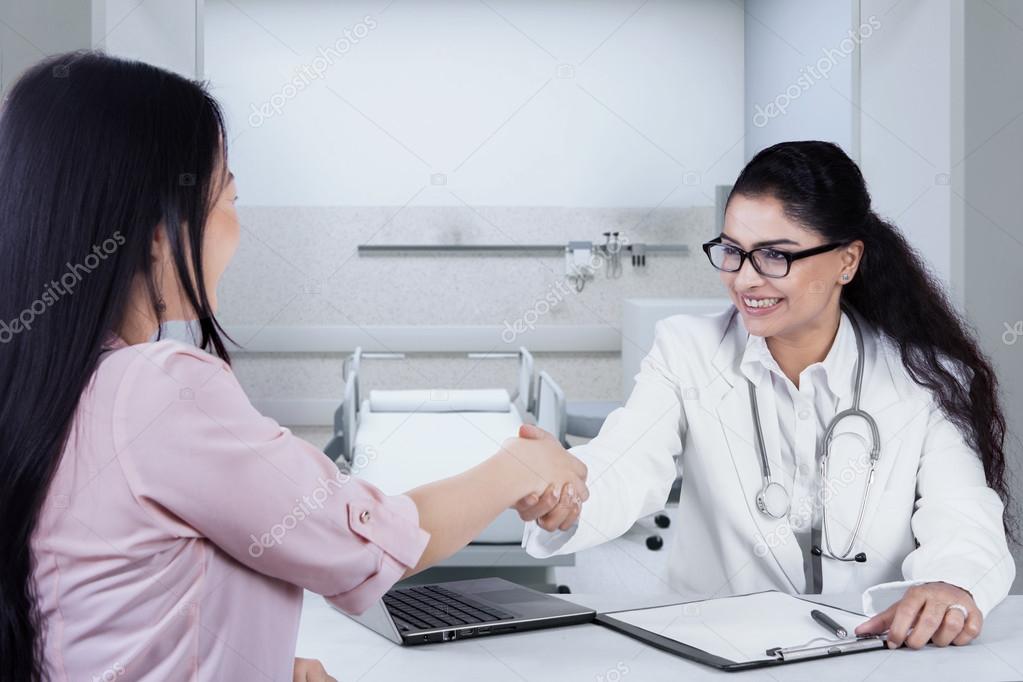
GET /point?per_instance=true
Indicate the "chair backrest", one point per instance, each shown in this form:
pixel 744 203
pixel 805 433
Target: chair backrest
pixel 551 410
pixel 350 370
pixel 524 397
pixel 346 416
pixel 640 317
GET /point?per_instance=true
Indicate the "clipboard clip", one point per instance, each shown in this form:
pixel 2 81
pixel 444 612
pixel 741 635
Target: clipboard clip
pixel 831 647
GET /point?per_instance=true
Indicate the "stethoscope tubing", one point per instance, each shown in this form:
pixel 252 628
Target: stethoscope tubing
pixel 763 501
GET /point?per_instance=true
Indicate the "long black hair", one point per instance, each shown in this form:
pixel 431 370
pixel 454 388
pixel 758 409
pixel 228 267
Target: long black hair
pixel 95 154
pixel 822 189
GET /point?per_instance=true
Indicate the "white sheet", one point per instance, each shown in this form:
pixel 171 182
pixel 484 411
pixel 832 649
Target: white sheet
pixel 740 628
pixel 441 400
pixel 398 451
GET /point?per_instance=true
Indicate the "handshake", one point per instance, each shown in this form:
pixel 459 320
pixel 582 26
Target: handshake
pixel 554 478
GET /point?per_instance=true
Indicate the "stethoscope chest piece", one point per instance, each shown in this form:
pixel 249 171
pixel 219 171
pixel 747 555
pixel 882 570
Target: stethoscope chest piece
pixel 773 500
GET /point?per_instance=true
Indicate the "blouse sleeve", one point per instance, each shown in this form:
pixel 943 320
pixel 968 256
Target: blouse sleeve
pixel 200 458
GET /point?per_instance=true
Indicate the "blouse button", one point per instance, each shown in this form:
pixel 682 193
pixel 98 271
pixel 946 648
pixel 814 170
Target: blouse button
pixel 364 516
pixel 804 414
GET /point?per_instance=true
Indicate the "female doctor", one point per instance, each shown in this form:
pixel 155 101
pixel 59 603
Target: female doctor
pixel 837 428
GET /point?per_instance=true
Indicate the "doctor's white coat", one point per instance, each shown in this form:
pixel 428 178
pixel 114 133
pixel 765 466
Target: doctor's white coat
pixel 930 515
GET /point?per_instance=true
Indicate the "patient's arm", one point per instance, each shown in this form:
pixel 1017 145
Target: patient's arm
pixel 455 510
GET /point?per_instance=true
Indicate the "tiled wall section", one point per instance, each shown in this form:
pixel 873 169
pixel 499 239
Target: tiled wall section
pixel 298 266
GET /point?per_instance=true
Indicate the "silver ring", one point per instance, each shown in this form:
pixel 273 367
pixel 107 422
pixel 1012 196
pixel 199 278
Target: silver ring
pixel 960 608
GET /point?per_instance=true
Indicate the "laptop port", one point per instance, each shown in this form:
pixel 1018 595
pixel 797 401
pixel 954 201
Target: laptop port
pixel 467 632
pixel 448 636
pixel 483 630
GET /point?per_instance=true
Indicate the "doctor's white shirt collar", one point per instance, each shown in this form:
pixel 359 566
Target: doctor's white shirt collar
pixel 838 364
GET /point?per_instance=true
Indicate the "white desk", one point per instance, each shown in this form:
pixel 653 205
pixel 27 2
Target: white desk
pixel 593 653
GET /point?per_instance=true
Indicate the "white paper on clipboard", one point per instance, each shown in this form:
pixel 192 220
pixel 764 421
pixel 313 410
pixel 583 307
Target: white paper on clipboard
pixel 741 628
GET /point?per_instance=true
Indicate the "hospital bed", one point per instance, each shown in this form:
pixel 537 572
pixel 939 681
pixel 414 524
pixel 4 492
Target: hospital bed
pixel 400 439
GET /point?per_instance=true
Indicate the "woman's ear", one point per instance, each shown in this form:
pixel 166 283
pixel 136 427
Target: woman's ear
pixel 852 253
pixel 159 246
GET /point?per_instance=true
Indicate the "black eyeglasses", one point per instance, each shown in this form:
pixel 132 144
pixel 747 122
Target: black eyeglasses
pixel 768 261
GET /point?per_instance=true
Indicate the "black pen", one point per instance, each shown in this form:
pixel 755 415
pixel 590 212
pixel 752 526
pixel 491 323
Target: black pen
pixel 829 622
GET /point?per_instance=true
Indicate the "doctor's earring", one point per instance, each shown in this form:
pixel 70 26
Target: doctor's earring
pixel 845 278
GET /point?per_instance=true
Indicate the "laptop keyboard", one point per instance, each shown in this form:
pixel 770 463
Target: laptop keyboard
pixel 433 606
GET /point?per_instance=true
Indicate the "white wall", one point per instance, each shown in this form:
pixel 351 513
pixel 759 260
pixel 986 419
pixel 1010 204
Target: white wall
pixel 30 31
pixel 992 175
pixel 801 76
pixel 907 128
pixel 161 32
pixel 886 99
pixel 531 103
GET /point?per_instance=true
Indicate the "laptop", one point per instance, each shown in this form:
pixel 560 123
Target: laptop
pixel 462 609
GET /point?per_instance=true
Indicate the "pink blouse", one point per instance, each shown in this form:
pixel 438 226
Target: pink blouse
pixel 181 527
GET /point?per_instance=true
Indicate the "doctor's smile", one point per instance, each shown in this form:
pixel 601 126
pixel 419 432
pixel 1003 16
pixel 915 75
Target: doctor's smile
pixel 519 321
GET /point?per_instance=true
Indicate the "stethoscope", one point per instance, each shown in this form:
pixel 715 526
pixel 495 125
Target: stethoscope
pixel 773 500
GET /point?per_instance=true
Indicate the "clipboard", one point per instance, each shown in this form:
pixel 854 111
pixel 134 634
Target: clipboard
pixel 743 632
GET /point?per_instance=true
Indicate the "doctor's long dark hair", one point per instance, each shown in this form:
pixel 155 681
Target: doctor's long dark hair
pixel 822 189
pixel 95 153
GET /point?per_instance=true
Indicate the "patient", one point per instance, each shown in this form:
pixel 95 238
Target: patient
pixel 155 526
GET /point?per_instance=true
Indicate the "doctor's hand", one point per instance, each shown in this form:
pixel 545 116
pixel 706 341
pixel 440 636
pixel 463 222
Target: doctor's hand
pixel 558 507
pixel 925 610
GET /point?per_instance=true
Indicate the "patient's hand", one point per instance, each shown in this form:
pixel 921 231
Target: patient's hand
pixel 559 506
pixel 547 465
pixel 310 670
